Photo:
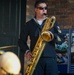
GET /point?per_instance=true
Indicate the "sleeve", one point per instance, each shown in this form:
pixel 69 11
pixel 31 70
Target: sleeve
pixel 60 42
pixel 59 36
pixel 22 42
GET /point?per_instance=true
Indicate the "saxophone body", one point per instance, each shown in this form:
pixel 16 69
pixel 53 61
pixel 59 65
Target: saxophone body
pixel 44 37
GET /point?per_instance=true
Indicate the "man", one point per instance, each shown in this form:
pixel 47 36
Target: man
pixel 47 64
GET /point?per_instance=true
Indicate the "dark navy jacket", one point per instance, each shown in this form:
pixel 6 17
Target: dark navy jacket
pixel 33 29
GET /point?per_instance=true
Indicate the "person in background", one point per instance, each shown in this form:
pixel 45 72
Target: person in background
pixel 47 64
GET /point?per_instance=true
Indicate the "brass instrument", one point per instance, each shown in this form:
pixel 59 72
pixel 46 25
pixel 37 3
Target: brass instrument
pixel 8 61
pixel 9 64
pixel 45 36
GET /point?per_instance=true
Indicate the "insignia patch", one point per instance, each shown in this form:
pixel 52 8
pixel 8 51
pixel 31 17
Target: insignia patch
pixel 59 39
pixel 59 29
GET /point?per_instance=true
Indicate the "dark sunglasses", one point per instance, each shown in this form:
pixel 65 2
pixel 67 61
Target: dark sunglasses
pixel 41 8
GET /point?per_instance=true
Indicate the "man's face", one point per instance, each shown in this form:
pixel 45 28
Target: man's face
pixel 41 9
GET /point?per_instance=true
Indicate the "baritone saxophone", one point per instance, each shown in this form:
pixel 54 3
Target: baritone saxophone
pixel 44 37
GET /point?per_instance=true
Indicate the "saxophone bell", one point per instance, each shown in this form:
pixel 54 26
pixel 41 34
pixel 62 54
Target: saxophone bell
pixel 47 36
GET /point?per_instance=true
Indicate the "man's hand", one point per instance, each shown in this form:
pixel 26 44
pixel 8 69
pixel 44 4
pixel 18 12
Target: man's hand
pixel 28 55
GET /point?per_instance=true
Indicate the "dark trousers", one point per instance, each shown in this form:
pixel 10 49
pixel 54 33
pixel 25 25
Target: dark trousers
pixel 46 66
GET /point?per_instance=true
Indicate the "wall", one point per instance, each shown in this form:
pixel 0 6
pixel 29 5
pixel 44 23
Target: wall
pixel 63 10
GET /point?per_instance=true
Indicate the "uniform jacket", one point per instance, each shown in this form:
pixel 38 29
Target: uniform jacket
pixel 32 28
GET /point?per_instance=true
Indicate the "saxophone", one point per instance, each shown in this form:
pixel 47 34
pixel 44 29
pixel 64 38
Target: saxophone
pixel 44 37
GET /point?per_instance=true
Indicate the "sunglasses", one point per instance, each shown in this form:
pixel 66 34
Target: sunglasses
pixel 42 8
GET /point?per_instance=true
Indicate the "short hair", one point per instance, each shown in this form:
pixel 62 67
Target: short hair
pixel 39 2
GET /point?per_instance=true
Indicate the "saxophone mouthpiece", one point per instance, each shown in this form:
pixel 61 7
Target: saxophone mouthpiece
pixel 44 14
